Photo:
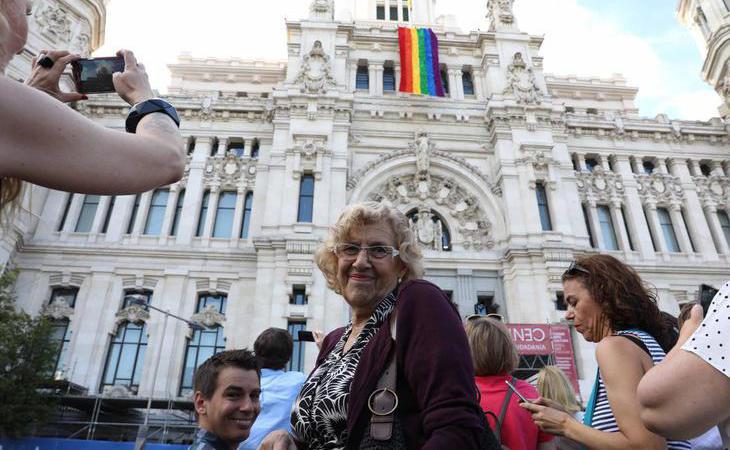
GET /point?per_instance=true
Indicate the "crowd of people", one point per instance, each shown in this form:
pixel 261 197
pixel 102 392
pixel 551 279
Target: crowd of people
pixel 405 372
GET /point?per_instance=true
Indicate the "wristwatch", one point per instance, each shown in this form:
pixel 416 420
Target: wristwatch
pixel 150 106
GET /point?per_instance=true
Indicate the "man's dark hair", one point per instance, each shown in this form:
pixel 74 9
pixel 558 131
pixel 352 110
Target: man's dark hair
pixel 205 379
pixel 273 348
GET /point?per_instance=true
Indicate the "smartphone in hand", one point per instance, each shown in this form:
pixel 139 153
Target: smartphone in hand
pixel 94 75
pixel 514 389
pixel 705 296
pixel 306 336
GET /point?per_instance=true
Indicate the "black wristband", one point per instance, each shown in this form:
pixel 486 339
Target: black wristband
pixel 150 106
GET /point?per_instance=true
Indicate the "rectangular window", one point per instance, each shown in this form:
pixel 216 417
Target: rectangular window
pixel 486 305
pixel 88 211
pixel 156 214
pixel 362 78
pixel 296 363
pixel 191 145
pixel 588 227
pixel 126 356
pixel 178 213
pixel 108 216
pixel 725 224
pixel 133 217
pixel 388 79
pixel 61 336
pixel 306 199
pixel 299 295
pixel 203 214
pixel 394 13
pixel 255 149
pixel 406 16
pixel 204 343
pixel 237 147
pixel 542 206
pixel 445 78
pixel 247 211
pixel 380 12
pixel 670 237
pixel 223 224
pixel 607 227
pixel 648 167
pixel 591 164
pixel 468 82
pixel 560 303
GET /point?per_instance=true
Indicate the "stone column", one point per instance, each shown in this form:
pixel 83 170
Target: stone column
pixel 656 230
pixel 222 144
pixel 618 224
pixel 120 218
pixel 478 80
pixel 680 229
pixel 212 209
pixel 635 166
pixel 696 227
pixel 238 216
pixel 101 209
pixel 373 79
pixel 169 213
pixel 353 76
pixel 635 215
pixel 141 219
pixel 454 92
pixel 581 162
pixel 73 213
pixel 193 192
pixel 459 83
pixel 662 166
pixel 694 168
pixel 716 229
pixel 464 296
pixel 595 224
pixel 604 163
pixel 379 79
pixel 387 9
pixel 397 78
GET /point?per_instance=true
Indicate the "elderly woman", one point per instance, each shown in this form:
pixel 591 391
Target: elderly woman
pixel 44 142
pixel 610 305
pixel 495 357
pixel 372 259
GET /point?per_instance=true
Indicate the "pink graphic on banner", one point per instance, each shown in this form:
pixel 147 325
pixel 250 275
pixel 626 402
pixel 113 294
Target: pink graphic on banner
pixel 552 340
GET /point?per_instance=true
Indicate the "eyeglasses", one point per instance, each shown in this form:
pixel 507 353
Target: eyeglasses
pixel 350 251
pixel 497 317
pixel 574 268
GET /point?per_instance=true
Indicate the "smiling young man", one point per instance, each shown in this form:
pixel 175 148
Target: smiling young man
pixel 227 390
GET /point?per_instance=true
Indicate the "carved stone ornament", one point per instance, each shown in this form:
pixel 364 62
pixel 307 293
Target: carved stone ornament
pixel 54 22
pixel 659 188
pixel 714 191
pixel 315 76
pixel 423 148
pixel 230 171
pixel 308 153
pixel 81 42
pixel 117 391
pixel 471 226
pixel 322 9
pixel 132 314
pixel 59 309
pixel 500 14
pixel 539 158
pixel 206 112
pixel 209 317
pixel 600 186
pixel 428 229
pixel 724 86
pixel 521 82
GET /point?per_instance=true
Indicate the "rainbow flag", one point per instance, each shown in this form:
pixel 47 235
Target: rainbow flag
pixel 419 62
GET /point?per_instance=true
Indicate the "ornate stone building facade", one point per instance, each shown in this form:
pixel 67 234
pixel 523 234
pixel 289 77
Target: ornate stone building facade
pixel 505 181
pixel 709 21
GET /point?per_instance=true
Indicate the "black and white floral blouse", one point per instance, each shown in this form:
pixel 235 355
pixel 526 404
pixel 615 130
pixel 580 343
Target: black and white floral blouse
pixel 319 415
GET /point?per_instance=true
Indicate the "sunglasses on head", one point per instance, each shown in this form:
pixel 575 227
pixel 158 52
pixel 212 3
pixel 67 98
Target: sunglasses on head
pixel 497 317
pixel 575 268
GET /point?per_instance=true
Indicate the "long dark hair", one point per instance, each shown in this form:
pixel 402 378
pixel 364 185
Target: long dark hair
pixel 625 299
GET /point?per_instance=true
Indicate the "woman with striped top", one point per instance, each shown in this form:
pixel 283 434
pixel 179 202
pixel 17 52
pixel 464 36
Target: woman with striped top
pixel 610 305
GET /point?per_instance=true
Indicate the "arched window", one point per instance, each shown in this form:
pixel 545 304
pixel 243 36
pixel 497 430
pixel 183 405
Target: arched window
pixel 204 343
pixel 436 229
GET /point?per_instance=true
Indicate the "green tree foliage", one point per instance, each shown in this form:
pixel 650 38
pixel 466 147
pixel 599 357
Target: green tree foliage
pixel 27 358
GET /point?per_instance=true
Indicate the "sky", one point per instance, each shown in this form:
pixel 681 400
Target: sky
pixel 641 40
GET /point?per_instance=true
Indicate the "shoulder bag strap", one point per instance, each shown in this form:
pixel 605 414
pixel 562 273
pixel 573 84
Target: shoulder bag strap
pixel 503 413
pixel 384 400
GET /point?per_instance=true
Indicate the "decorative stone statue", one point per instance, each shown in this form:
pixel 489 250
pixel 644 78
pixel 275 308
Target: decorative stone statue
pixel 315 76
pixel 725 84
pixel 322 9
pixel 521 82
pixel 501 17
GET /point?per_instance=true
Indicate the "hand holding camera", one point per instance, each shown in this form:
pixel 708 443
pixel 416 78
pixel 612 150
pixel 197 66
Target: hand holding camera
pixel 46 71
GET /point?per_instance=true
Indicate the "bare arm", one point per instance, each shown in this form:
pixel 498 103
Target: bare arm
pixel 44 142
pixel 673 404
pixel 621 367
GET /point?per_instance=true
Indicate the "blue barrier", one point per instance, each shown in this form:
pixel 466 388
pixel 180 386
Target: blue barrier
pixel 77 444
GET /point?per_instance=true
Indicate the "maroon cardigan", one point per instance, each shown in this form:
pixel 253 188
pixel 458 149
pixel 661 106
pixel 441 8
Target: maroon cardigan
pixel 436 390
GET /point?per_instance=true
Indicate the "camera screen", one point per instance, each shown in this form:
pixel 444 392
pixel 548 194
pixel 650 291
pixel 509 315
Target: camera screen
pixel 95 75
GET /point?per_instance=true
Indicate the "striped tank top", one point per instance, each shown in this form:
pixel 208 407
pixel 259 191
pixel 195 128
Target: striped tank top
pixel 603 418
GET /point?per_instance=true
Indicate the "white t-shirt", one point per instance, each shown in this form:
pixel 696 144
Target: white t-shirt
pixel 711 342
